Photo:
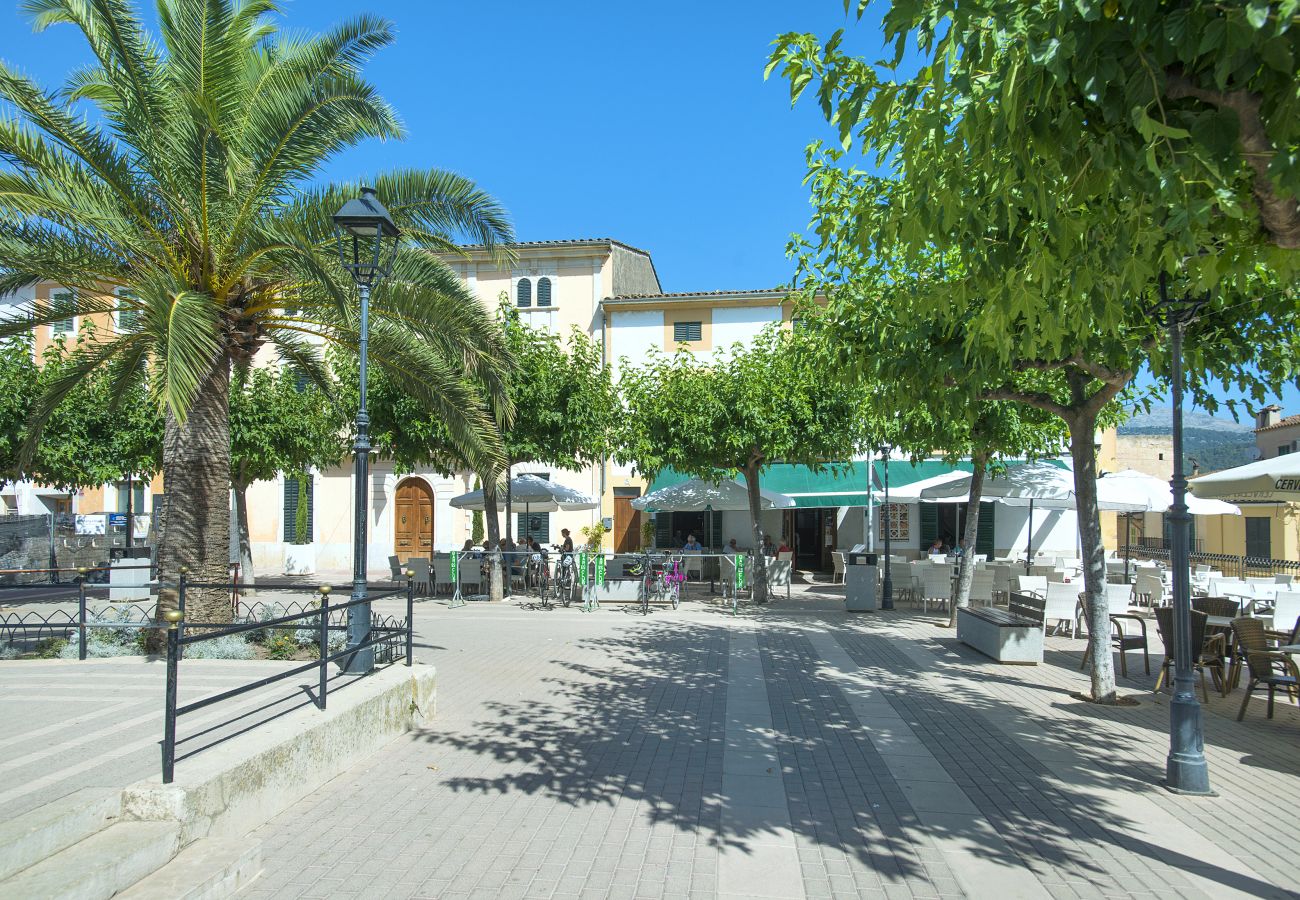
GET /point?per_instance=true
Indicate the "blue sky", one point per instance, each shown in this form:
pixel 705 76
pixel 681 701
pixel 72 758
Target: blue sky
pixel 591 119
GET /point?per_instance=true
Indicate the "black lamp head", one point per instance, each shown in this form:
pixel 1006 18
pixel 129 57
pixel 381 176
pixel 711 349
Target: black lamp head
pixel 367 237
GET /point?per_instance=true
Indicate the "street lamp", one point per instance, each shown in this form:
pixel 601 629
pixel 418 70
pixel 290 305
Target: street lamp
pixel 367 242
pixel 887 586
pixel 1186 771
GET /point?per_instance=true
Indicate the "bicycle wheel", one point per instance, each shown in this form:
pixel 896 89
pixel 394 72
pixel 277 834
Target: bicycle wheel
pixel 675 594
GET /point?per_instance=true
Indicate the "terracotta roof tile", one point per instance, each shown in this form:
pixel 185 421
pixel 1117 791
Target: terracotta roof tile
pixel 1289 420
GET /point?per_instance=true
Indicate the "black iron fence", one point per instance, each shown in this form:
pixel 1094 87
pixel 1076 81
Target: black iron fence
pixel 58 623
pixel 1231 566
pixel 392 640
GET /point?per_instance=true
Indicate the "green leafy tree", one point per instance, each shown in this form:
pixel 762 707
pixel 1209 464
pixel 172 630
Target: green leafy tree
pixel 735 413
pixel 18 381
pixel 565 403
pixel 1053 298
pixel 194 184
pixel 281 423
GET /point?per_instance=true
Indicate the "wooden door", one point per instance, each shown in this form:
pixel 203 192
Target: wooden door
pixel 627 521
pixel 413 522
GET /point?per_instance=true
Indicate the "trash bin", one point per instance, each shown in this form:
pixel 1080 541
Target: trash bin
pixel 861 582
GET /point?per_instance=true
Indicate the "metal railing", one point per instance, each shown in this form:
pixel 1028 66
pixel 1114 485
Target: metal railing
pixel 1231 566
pixel 11 624
pixel 384 632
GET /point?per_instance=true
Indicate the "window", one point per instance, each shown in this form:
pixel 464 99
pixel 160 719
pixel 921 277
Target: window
pixel 128 316
pixel 298 508
pixel 687 331
pixel 534 524
pixel 543 292
pixel 59 301
pixel 1259 534
pixel 524 293
pixel 137 497
pixel 1283 449
pixel 1160 456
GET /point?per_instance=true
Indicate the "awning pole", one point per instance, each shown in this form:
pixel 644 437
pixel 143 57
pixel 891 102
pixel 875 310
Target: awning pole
pixel 1029 538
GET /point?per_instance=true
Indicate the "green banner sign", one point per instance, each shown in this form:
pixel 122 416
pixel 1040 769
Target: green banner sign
pixel 600 569
pixel 582 567
pixel 740 572
pixel 455 566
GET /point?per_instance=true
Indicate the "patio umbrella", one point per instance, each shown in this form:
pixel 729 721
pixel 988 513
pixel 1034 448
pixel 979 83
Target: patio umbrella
pixel 529 492
pixel 1129 485
pixel 1028 484
pixel 1276 480
pixel 699 495
pixel 911 493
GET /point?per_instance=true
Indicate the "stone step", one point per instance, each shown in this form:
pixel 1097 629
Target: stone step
pixel 208 869
pixel 36 835
pixel 99 866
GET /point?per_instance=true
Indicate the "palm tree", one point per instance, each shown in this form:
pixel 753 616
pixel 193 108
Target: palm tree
pixel 189 184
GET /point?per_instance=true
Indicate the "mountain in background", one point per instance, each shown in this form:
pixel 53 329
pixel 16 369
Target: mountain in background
pixel 1215 443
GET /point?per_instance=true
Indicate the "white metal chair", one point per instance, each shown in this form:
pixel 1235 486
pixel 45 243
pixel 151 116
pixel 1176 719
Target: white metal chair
pixel 936 585
pixel 1286 610
pixel 1062 605
pixel 422 578
pixel 693 565
pixel 981 587
pixel 1035 585
pixel 1149 590
pixel 778 575
pixel 837 556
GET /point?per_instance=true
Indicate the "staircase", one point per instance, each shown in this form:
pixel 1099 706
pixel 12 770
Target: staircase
pixel 79 848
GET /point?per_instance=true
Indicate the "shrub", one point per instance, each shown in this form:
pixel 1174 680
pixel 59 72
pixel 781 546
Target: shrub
pixel 9 651
pixel 50 647
pixel 230 646
pixel 281 646
pixel 109 642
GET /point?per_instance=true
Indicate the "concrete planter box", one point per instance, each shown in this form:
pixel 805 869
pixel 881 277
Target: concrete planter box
pixel 300 559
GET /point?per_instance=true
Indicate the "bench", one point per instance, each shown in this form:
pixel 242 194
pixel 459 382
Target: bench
pixel 1013 635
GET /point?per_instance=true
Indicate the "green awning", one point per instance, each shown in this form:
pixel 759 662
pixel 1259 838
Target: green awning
pixel 839 484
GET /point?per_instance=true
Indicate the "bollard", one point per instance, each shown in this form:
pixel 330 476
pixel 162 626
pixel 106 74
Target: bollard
pixel 324 640
pixel 410 615
pixel 173 618
pixel 81 612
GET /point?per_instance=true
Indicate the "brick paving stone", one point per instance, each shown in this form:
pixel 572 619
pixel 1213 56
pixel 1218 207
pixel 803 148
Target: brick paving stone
pixel 596 755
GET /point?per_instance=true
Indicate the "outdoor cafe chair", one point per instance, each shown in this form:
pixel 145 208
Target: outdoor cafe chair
pixel 981 587
pixel 1062 605
pixel 1124 641
pixel 1217 606
pixel 693 564
pixel 1036 585
pixel 1286 610
pixel 395 568
pixel 1149 590
pixel 936 586
pixel 1209 655
pixel 1267 667
pixel 1001 581
pixel 441 573
pixel 422 578
pixel 837 556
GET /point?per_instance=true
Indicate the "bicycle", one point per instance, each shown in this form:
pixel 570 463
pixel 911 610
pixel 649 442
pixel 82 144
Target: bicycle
pixel 652 581
pixel 674 578
pixel 537 576
pixel 565 576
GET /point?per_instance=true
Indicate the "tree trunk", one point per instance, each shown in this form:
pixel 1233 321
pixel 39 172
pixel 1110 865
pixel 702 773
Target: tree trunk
pixel 759 568
pixel 196 478
pixel 966 572
pixel 495 591
pixel 1096 609
pixel 247 582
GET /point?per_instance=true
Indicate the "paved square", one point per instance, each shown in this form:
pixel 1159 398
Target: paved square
pixel 793 751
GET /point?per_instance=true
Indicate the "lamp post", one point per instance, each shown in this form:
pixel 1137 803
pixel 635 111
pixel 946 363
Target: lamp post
pixel 1186 771
pixel 887 586
pixel 367 243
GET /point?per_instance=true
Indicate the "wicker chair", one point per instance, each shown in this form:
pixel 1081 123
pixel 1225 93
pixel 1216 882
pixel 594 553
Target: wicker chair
pixel 1210 656
pixel 1266 667
pixel 1217 606
pixel 1124 641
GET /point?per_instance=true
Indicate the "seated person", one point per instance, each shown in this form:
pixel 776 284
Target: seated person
pixel 731 548
pixel 769 548
pixel 692 545
pixel 937 548
pixel 784 548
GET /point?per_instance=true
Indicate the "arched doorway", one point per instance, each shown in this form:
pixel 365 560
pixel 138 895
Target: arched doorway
pixel 413 522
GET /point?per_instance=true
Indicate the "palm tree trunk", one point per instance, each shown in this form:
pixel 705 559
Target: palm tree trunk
pixel 496 591
pixel 759 574
pixel 196 481
pixel 966 572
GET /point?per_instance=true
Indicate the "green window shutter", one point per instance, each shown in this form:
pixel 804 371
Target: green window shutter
pixel 290 508
pixel 309 483
pixel 984 533
pixel 663 530
pixel 524 293
pixel 534 524
pixel 543 292
pixel 715 539
pixel 59 301
pixel 929 529
pixel 688 331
